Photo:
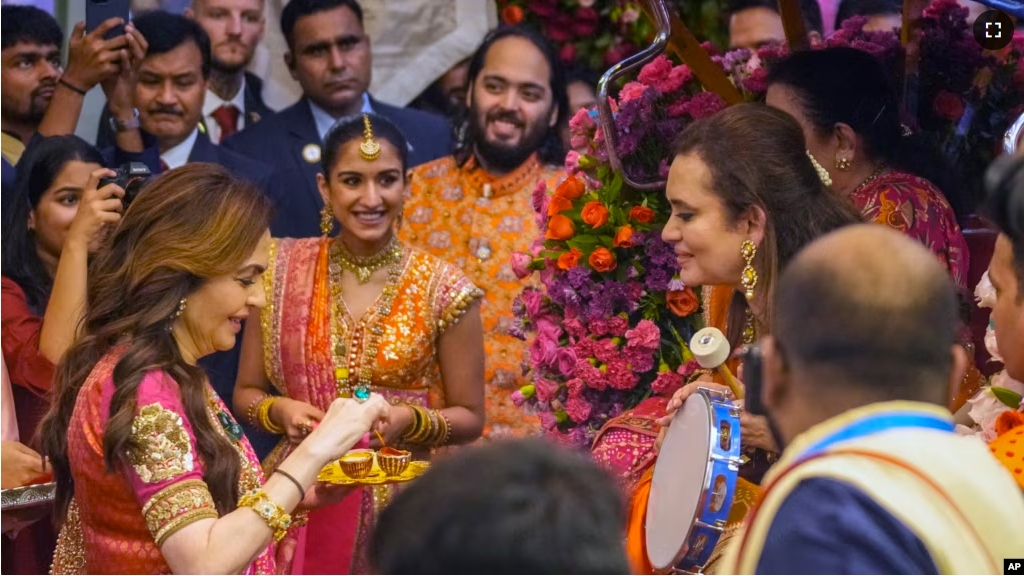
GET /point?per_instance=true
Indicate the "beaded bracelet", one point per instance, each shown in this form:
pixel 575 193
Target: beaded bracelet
pixel 276 518
pixel 251 413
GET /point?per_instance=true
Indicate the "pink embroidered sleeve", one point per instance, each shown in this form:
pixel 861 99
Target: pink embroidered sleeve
pixel 161 461
pixel 454 295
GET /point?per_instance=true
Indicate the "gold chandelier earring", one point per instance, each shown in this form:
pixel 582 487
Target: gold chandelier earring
pixel 326 220
pixel 749 277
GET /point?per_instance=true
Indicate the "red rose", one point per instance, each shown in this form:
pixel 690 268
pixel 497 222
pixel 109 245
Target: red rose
pixel 682 302
pixel 560 228
pixel 948 105
pixel 558 205
pixel 571 188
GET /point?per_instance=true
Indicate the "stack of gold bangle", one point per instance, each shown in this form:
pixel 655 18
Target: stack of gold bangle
pixel 262 418
pixel 429 428
pixel 698 373
pixel 271 513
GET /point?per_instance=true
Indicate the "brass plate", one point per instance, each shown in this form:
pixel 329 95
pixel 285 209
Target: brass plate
pixel 333 474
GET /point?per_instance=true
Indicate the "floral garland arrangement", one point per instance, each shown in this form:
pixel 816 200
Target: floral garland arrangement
pixel 601 33
pixel 966 97
pixel 613 321
pixel 998 407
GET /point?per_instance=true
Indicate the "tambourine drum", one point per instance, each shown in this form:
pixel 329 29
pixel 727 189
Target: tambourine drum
pixel 694 483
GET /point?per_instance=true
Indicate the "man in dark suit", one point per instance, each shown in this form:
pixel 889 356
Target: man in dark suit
pixel 233 98
pixel 329 55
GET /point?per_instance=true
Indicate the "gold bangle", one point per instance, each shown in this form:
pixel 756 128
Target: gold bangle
pixel 446 429
pixel 271 512
pixel 252 412
pixel 698 373
pixel 263 412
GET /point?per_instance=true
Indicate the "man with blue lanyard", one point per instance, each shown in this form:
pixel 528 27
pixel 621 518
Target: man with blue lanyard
pixel 856 375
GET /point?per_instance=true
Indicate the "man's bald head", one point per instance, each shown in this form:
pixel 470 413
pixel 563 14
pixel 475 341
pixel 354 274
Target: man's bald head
pixel 870 308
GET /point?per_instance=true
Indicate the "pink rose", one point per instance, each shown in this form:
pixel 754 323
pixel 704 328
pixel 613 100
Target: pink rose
pixel 520 265
pixel 543 350
pixel 565 362
pixel 578 409
pixel 533 299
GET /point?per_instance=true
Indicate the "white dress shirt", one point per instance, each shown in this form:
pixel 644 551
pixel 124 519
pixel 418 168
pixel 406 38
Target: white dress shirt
pixel 324 121
pixel 178 156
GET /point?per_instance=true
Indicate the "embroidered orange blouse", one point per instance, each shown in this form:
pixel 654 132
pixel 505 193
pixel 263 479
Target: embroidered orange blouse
pixel 475 220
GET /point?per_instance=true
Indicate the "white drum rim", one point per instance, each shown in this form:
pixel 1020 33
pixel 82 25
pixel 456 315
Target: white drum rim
pixel 683 549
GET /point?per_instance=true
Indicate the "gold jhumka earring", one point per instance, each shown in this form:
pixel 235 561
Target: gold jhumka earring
pixel 749 278
pixel 369 149
pixel 326 219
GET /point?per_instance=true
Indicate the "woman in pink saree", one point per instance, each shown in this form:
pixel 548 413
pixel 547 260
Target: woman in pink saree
pixel 153 474
pixel 359 313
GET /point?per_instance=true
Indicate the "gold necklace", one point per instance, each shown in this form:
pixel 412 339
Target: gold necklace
pixel 364 266
pixel 874 176
pixel 348 367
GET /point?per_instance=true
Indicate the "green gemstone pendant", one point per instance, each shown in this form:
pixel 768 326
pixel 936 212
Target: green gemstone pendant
pixel 233 430
pixel 361 393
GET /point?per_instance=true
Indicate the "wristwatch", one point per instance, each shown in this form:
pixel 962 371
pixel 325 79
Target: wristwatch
pixel 125 125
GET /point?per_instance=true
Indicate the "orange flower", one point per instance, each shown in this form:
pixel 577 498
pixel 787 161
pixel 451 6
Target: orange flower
pixel 624 237
pixel 641 214
pixel 603 260
pixel 569 259
pixel 682 302
pixel 558 204
pixel 560 228
pixel 1008 421
pixel 595 214
pixel 512 15
pixel 571 188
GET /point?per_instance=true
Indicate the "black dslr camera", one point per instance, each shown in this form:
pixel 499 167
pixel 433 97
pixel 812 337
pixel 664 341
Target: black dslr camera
pixel 130 177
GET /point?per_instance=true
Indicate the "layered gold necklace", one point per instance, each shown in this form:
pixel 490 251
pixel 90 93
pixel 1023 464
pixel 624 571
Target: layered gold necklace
pixel 364 266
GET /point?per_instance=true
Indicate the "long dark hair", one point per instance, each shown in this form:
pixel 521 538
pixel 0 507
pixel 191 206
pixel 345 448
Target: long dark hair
pixel 852 87
pixel 37 169
pixel 782 182
pixel 185 227
pixel 552 149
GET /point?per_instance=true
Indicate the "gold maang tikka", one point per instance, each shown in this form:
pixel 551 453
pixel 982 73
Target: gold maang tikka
pixel 369 149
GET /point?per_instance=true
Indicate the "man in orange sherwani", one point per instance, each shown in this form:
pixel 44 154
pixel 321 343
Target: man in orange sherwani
pixel 475 208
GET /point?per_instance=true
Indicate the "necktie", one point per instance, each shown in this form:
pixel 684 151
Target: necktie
pixel 227 118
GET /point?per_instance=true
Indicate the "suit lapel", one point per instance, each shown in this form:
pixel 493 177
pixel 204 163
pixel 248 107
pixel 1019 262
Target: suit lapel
pixel 305 145
pixel 203 150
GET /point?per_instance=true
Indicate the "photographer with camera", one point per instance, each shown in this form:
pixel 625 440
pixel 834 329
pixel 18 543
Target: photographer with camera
pixel 59 215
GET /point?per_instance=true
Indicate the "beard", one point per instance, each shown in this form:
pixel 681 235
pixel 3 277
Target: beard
pixel 36 109
pixel 498 155
pixel 229 67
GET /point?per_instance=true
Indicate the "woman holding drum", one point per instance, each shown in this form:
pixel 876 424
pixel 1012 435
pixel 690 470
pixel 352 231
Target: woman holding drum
pixel 734 226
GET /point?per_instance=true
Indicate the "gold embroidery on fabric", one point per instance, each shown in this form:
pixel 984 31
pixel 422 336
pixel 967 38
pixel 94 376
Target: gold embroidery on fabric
pixel 267 314
pixel 177 506
pixel 454 310
pixel 69 556
pixel 160 448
